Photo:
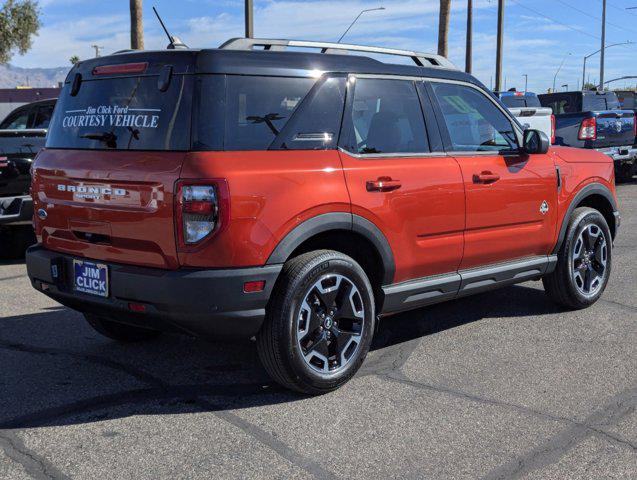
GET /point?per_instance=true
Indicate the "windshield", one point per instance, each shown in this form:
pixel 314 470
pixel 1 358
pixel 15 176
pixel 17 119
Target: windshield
pixel 127 113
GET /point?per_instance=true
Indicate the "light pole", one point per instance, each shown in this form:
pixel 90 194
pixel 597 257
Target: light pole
pixel 558 70
pixel 356 19
pixel 602 53
pixel 565 87
pixel 595 53
pixel 526 82
pixel 469 52
pixel 498 53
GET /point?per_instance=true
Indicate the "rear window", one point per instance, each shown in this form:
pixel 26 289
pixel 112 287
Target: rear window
pixel 562 103
pixel 126 113
pixel 595 102
pixel 519 101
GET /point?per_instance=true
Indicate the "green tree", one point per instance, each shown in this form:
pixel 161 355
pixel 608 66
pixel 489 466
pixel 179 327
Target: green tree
pixel 19 22
pixel 74 59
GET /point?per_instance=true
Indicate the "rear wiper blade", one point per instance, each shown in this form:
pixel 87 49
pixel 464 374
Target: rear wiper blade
pixel 107 137
pixel 268 119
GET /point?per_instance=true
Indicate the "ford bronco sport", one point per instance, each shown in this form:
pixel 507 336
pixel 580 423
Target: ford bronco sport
pixel 295 196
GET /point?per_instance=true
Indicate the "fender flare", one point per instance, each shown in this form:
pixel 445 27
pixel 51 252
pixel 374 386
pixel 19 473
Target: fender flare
pixel 587 191
pixel 336 221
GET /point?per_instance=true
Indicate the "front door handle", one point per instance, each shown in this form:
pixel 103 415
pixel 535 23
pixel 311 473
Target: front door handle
pixel 383 184
pixel 486 177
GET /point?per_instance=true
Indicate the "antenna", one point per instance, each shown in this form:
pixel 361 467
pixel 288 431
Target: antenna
pixel 175 42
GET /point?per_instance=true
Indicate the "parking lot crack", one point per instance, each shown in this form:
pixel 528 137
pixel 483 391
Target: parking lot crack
pixel 281 448
pixel 95 359
pixel 34 465
pixel 591 428
pixel 557 446
pixel 619 304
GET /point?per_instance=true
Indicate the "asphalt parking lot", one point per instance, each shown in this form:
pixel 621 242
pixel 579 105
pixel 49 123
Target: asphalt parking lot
pixel 499 386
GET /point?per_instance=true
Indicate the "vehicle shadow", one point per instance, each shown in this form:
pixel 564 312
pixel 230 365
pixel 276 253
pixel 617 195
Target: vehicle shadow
pixel 57 371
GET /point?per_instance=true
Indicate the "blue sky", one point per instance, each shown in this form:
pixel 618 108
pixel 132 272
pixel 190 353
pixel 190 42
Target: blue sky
pixel 534 44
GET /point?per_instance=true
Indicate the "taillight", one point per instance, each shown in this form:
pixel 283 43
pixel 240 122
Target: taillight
pixel 552 129
pixel 120 68
pixel 588 129
pixel 200 210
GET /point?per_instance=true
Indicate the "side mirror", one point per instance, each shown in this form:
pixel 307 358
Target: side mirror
pixel 535 141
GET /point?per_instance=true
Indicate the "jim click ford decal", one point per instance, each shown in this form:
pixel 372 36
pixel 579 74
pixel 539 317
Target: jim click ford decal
pixel 112 116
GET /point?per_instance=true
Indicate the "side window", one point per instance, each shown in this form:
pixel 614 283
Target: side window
pixel 473 121
pixel 386 117
pixel 317 121
pixel 43 116
pixel 257 109
pixel 18 120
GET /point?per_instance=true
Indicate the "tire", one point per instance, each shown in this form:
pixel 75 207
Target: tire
pixel 567 285
pixel 299 329
pixel 120 332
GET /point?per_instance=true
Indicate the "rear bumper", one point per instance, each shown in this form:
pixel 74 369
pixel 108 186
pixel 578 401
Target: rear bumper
pixel 201 302
pixel 620 154
pixel 16 210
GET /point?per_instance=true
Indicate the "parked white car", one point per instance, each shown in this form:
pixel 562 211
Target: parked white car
pixel 526 107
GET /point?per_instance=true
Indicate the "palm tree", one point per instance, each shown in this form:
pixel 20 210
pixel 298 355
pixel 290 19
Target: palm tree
pixel 443 28
pixel 136 25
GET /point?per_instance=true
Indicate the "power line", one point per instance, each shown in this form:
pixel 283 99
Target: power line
pixel 621 9
pixel 556 21
pixel 599 19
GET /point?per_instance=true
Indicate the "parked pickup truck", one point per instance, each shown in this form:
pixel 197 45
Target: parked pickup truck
pixel 22 135
pixel 526 107
pixel 628 101
pixel 594 120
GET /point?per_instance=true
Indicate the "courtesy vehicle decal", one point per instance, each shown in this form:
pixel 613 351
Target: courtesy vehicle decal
pixel 112 116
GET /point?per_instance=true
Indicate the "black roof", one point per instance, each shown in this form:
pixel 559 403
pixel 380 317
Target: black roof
pixel 259 62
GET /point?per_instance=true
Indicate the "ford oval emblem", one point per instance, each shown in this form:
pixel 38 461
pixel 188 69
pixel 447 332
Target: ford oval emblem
pixel 42 214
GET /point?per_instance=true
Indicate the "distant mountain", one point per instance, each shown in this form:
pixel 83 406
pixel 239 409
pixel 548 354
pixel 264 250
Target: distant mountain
pixel 11 77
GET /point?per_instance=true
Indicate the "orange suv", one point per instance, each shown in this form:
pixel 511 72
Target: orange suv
pixel 284 190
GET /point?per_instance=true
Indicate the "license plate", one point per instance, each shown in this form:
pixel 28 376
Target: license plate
pixel 90 278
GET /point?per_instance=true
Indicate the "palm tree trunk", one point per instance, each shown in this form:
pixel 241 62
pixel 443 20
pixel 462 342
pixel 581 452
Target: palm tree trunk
pixel 136 25
pixel 443 28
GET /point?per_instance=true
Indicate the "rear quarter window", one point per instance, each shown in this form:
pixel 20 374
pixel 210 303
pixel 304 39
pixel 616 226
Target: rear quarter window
pixel 257 109
pixel 124 113
pixel 267 113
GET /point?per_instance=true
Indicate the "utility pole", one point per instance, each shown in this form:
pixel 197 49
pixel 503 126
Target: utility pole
pixel 469 52
pixel 97 50
pixel 526 82
pixel 601 62
pixel 443 27
pixel 136 25
pixel 498 57
pixel 249 17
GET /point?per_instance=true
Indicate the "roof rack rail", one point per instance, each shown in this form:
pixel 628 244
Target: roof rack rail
pixel 420 59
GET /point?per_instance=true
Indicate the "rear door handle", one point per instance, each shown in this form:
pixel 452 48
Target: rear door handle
pixel 383 184
pixel 486 177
